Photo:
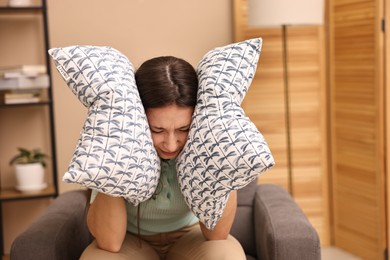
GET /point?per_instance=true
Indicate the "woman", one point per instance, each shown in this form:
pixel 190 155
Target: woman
pixel 162 227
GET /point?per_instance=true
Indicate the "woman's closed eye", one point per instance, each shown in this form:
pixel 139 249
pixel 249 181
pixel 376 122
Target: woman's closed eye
pixel 156 131
pixel 185 130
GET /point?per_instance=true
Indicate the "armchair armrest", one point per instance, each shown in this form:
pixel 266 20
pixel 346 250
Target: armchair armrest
pixel 60 233
pixel 282 227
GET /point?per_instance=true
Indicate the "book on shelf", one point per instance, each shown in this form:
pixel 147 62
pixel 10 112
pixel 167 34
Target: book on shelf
pixel 40 81
pixel 20 97
pixel 25 70
pixel 22 100
pixel 38 68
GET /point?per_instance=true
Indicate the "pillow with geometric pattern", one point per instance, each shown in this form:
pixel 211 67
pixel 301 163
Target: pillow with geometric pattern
pixel 114 154
pixel 224 151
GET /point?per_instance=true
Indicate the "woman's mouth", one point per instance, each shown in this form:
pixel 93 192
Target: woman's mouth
pixel 168 154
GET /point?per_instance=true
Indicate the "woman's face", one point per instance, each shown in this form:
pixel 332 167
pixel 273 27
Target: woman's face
pixel 169 126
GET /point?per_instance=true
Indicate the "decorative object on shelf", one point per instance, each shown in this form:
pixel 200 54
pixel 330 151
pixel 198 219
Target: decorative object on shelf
pixel 20 96
pixel 22 70
pixel 25 83
pixel 38 82
pixel 29 170
pixel 19 3
pixel 24 77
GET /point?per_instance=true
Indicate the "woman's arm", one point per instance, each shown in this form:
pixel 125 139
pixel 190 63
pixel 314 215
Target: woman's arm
pixel 222 229
pixel 107 221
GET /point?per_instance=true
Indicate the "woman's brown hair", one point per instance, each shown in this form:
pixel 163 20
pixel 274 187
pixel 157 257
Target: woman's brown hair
pixel 167 80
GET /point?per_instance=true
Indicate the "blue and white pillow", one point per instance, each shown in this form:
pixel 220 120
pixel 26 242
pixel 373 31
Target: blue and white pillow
pixel 224 151
pixel 115 154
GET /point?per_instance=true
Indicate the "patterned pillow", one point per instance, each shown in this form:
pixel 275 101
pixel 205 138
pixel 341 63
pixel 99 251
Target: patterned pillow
pixel 224 150
pixel 115 153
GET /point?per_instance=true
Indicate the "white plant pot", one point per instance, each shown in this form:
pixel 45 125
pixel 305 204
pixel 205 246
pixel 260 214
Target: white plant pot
pixel 30 177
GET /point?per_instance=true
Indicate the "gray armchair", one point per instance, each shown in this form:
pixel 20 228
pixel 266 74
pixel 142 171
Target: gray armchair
pixel 268 224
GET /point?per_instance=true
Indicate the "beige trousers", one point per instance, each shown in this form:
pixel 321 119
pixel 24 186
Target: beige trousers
pixel 185 244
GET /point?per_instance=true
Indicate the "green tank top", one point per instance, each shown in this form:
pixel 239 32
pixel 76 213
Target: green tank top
pixel 167 211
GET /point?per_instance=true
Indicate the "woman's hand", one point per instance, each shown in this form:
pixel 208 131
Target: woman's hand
pixel 107 221
pixel 222 229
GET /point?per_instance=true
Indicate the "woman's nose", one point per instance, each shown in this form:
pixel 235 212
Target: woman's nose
pixel 171 143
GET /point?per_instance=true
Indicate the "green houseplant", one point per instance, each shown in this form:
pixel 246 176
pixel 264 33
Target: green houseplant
pixel 29 169
pixel 26 156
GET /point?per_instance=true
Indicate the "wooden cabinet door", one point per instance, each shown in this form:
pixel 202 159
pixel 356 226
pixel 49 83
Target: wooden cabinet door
pixel 387 126
pixel 357 100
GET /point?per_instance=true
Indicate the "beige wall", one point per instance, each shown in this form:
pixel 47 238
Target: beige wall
pixel 140 29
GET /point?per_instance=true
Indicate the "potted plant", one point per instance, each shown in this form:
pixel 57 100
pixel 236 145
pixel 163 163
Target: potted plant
pixel 29 169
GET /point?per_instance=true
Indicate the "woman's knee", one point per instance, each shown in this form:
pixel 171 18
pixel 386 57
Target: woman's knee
pixel 194 246
pixel 132 248
pixel 229 249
